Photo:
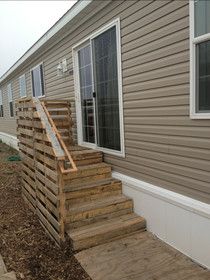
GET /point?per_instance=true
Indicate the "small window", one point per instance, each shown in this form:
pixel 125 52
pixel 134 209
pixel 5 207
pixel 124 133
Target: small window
pixel 10 100
pixel 1 105
pixel 37 81
pixel 22 85
pixel 200 58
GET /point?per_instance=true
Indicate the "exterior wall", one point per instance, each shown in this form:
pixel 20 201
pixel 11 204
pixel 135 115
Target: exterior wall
pixel 163 145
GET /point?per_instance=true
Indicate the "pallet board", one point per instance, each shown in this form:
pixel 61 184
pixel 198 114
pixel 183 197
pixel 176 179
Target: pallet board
pixel 40 152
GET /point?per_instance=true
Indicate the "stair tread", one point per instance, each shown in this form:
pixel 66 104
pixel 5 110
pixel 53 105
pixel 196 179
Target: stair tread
pixel 77 148
pixel 84 151
pixel 93 166
pixel 98 203
pixel 57 109
pixel 102 227
pixel 88 185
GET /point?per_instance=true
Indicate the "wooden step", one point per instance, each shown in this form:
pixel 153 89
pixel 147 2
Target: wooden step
pixel 91 191
pixel 101 209
pixel 86 156
pixel 88 173
pixel 105 231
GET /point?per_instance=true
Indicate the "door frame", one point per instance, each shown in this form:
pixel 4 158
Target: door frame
pixel 75 49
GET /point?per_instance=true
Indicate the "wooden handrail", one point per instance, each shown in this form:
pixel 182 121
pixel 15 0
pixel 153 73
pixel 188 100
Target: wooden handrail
pixel 74 168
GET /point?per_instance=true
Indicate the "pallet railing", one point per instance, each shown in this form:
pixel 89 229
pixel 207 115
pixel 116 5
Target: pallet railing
pixel 73 166
pixel 43 156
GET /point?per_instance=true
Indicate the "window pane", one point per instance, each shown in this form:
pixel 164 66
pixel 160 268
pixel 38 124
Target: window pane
pixel 9 92
pixel 1 111
pixel 202 17
pixel 107 101
pixel 86 91
pixel 203 76
pixel 37 81
pixel 22 86
pixel 11 109
pixel 1 99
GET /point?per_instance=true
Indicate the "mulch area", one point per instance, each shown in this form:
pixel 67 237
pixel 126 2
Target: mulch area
pixel 24 245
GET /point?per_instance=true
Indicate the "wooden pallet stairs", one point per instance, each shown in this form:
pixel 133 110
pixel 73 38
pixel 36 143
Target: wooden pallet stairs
pixel 96 210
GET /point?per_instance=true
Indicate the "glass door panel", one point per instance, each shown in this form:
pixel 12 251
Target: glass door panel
pixel 106 88
pixel 86 94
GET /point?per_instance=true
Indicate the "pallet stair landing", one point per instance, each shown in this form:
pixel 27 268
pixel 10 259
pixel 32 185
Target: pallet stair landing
pixel 89 205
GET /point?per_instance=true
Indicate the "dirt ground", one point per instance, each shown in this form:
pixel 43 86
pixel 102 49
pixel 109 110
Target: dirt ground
pixel 24 245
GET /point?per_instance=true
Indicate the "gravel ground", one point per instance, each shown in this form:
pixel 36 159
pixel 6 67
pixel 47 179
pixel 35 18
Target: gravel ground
pixel 24 245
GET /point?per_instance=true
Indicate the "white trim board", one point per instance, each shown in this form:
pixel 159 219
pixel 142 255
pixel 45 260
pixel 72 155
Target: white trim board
pixel 180 221
pixel 9 139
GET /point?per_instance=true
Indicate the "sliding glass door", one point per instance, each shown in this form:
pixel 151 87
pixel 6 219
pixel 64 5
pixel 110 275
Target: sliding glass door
pixel 106 88
pixel 99 91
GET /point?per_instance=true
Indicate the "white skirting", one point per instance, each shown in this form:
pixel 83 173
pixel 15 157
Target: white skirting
pixel 9 139
pixel 178 220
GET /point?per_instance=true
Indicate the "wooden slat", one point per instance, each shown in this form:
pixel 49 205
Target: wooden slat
pixel 29 189
pixel 41 136
pixel 28 170
pixel 27 141
pixel 42 198
pixel 30 199
pixel 25 114
pixel 48 226
pixel 24 122
pixel 44 148
pixel 45 159
pixel 26 149
pixel 27 159
pixel 49 216
pixel 53 198
pixel 25 131
pixel 29 180
pixel 51 186
pixel 52 174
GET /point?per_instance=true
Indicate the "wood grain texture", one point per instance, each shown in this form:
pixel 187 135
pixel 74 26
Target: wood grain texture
pixel 139 257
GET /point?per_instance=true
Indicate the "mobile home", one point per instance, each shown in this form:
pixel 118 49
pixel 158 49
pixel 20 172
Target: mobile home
pixel 137 76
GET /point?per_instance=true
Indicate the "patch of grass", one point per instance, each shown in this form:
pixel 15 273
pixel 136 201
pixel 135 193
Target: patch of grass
pixel 14 158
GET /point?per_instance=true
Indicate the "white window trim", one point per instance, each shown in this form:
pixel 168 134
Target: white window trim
pixel 25 85
pixel 41 63
pixel 193 42
pixel 75 49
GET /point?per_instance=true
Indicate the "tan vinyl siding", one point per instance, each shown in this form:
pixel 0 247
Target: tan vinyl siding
pixel 163 145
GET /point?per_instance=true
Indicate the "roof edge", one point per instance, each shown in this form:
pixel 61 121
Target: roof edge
pixel 67 17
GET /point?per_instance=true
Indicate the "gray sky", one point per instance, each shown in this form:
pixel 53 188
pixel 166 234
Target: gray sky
pixel 22 23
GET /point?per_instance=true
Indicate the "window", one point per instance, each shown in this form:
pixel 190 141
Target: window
pixel 1 105
pixel 22 85
pixel 37 81
pixel 200 58
pixel 10 100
